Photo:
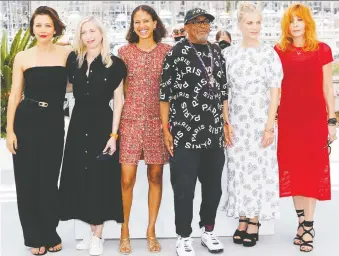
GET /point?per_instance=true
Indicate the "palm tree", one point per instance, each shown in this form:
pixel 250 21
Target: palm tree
pixel 21 42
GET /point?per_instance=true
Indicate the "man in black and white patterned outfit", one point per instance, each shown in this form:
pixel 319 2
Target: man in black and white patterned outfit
pixel 192 95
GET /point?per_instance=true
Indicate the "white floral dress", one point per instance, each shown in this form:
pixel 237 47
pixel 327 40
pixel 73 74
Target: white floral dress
pixel 252 180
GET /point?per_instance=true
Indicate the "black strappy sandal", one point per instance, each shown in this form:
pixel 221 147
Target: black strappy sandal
pixel 300 213
pixel 252 237
pixel 311 232
pixel 39 252
pixel 52 246
pixel 239 234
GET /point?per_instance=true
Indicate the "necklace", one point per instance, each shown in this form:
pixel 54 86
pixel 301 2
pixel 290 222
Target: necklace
pixel 208 75
pixel 298 52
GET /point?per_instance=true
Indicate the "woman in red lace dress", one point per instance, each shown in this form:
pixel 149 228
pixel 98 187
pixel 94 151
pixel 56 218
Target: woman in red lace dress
pixel 141 133
pixel 305 118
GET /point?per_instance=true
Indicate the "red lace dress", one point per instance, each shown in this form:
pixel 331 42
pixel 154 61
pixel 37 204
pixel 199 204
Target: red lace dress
pixel 140 130
pixel 303 158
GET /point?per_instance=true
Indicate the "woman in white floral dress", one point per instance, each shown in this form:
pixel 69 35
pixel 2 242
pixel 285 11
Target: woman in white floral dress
pixel 254 75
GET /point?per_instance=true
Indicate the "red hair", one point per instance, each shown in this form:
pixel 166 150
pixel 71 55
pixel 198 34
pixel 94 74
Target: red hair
pixel 304 13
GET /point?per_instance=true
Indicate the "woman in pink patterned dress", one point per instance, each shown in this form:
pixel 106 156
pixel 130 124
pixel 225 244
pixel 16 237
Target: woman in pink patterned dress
pixel 141 133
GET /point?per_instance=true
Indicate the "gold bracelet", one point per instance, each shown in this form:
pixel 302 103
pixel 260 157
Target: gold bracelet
pixel 114 135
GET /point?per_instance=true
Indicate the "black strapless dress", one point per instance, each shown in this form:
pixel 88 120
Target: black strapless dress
pixel 39 127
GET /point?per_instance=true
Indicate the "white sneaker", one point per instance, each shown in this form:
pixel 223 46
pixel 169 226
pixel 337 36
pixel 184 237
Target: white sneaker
pixel 211 242
pixel 184 246
pixel 97 246
pixel 85 242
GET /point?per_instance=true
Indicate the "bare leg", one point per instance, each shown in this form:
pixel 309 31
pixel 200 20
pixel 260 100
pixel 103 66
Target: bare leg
pixel 242 226
pixel 98 230
pixel 128 177
pixel 309 207
pixel 93 227
pixel 154 174
pixel 252 229
pixel 298 202
pixel 299 205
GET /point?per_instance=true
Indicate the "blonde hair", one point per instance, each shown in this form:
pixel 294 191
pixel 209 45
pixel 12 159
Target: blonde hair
pixel 80 47
pixel 246 7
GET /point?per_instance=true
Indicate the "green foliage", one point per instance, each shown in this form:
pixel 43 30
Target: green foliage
pixel 55 39
pixel 32 43
pixel 228 6
pixel 15 42
pixel 4 49
pixel 22 41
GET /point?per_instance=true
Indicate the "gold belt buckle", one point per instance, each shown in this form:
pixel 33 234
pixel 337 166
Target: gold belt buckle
pixel 43 104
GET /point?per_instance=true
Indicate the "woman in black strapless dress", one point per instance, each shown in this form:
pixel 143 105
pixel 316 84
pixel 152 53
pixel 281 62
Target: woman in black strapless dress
pixel 35 131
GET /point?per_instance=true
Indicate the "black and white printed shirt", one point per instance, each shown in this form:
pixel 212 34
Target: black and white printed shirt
pixel 196 108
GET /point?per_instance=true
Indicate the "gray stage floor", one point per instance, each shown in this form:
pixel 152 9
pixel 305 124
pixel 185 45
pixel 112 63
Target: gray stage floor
pixel 280 244
pixel 326 226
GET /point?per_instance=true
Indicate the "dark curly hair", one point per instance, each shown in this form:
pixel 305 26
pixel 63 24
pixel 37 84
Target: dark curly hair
pixel 159 32
pixel 59 26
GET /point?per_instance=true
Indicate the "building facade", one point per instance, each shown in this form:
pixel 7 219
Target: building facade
pixel 116 16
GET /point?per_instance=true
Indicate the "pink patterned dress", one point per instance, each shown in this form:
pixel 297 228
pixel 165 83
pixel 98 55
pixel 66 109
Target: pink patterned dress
pixel 141 134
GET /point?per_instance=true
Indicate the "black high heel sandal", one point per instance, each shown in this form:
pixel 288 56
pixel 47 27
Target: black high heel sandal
pixel 311 232
pixel 252 237
pixel 297 238
pixel 239 233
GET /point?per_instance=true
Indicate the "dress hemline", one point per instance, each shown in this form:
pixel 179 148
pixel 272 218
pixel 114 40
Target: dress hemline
pixel 319 198
pixel 118 220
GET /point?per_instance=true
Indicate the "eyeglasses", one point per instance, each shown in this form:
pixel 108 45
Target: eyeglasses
pixel 200 22
pixel 178 31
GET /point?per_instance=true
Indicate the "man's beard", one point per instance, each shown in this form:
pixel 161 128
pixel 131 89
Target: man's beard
pixel 202 38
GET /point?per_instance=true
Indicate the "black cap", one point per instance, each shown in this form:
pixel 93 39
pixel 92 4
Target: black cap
pixel 191 14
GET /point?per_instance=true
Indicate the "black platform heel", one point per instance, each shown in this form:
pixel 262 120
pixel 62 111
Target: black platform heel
pixel 252 237
pixel 311 232
pixel 298 240
pixel 239 233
